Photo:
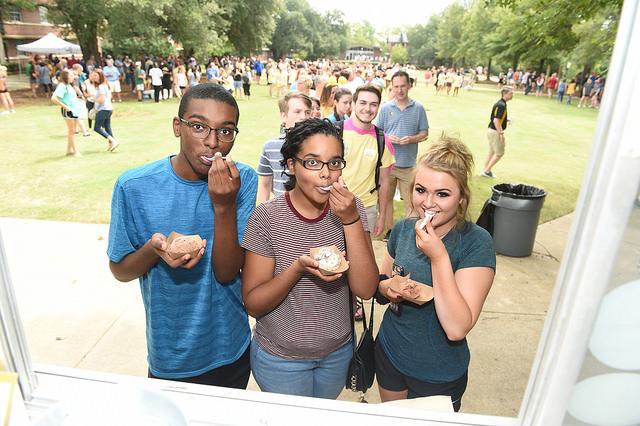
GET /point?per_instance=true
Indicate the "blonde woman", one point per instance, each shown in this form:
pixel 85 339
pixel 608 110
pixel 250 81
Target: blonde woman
pixel 421 350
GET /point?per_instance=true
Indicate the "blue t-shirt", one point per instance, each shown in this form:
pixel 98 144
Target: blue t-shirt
pixel 406 122
pixel 111 73
pixel 415 342
pixel 194 323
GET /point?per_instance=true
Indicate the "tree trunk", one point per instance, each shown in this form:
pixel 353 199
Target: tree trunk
pixel 489 69
pixel 87 35
pixel 516 59
pixel 541 65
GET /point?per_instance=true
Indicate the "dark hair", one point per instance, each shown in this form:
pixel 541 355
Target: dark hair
pixel 343 91
pixel 368 88
pixel 211 91
pixel 401 74
pixel 299 133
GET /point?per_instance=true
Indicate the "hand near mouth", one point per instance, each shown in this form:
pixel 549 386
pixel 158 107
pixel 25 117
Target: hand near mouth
pixel 224 181
pixel 343 202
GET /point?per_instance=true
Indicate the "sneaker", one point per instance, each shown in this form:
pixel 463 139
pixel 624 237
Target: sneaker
pixel 487 174
pixel 114 146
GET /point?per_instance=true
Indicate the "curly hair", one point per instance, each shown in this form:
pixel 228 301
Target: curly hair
pixel 296 136
pixel 451 156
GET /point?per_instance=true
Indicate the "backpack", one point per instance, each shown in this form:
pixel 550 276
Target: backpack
pixel 380 139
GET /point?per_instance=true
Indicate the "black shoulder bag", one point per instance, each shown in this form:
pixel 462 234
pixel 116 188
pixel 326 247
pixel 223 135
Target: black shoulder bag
pixel 362 367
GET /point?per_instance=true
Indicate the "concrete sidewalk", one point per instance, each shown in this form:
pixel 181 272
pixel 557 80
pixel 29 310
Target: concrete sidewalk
pixel 75 314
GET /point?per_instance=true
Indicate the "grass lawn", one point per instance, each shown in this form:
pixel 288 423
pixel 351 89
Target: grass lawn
pixel 547 146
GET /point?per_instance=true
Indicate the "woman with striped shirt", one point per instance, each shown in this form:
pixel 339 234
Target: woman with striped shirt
pixel 302 341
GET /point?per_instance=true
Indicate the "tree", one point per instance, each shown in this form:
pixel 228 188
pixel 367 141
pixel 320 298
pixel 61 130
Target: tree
pixel 399 54
pixel 302 31
pixel 479 22
pixel 449 33
pixel 595 40
pixel 362 34
pixel 252 24
pixel 85 18
pixel 422 42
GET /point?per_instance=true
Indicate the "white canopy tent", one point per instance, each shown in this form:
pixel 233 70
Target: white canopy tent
pixel 50 44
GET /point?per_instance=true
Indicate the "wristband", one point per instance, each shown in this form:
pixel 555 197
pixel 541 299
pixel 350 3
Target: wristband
pixel 351 223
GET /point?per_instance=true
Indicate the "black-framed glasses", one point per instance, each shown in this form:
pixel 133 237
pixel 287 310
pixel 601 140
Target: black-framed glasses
pixel 313 164
pixel 202 131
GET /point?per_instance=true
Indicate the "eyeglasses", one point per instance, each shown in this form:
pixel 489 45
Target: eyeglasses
pixel 202 131
pixel 313 164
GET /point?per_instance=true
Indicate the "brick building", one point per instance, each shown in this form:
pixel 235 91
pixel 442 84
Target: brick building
pixel 24 26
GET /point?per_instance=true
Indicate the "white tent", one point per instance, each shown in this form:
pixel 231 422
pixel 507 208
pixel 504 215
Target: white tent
pixel 50 44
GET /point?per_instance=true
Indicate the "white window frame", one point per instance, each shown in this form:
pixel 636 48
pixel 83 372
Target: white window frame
pixel 13 13
pixel 605 202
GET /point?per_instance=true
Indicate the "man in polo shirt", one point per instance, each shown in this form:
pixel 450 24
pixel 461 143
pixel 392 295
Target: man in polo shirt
pixel 404 120
pixel 361 155
pixel 112 75
pixel 294 107
pixel 497 126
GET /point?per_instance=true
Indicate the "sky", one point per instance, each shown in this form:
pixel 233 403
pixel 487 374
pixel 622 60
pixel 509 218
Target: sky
pixel 381 14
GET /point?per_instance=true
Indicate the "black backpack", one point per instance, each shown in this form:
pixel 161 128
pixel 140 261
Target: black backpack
pixel 380 139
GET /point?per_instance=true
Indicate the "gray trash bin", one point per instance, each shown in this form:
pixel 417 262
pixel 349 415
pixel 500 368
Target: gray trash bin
pixel 515 218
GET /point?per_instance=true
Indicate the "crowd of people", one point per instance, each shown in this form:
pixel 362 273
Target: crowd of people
pixel 588 89
pixel 348 136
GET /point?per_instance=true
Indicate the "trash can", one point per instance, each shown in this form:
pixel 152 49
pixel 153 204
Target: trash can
pixel 514 212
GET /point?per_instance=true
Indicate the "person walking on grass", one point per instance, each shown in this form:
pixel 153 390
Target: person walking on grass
pixel 495 133
pixel 66 98
pixel 104 110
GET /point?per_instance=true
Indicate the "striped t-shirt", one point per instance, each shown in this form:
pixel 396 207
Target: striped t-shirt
pixel 269 165
pixel 313 320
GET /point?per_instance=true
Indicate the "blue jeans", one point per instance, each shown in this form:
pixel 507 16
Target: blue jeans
pixel 320 378
pixel 103 123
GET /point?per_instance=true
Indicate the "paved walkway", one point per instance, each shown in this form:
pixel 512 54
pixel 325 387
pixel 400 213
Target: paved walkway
pixel 75 314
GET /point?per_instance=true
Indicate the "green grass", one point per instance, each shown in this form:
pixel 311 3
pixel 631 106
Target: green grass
pixel 547 146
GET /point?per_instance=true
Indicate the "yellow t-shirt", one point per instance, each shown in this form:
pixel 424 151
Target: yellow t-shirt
pixel 361 154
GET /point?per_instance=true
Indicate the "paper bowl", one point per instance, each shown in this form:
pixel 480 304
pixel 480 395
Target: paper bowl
pixel 344 263
pixel 175 254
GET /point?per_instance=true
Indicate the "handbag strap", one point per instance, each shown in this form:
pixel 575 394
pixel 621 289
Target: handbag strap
pixel 364 319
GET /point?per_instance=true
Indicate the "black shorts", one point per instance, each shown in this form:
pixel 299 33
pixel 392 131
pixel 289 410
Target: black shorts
pixel 234 375
pixel 391 379
pixel 67 114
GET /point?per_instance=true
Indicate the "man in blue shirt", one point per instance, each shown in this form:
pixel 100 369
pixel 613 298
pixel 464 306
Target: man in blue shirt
pixel 404 121
pixel 112 75
pixel 197 328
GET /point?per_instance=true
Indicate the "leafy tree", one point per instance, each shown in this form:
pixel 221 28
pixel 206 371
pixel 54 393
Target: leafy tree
pixel 479 23
pixel 252 24
pixel 85 18
pixel 449 33
pixel 362 34
pixel 399 54
pixel 422 42
pixel 595 40
pixel 302 31
pixel 330 35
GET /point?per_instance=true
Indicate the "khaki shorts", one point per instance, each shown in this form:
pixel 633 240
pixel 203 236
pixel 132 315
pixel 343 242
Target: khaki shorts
pixel 496 143
pixel 114 86
pixel 372 217
pixel 402 177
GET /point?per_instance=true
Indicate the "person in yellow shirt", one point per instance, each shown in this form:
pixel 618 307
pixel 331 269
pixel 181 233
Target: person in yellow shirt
pixel 571 90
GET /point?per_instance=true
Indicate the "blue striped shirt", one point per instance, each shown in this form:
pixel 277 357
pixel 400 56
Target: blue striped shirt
pixel 194 323
pixel 269 165
pixel 407 122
